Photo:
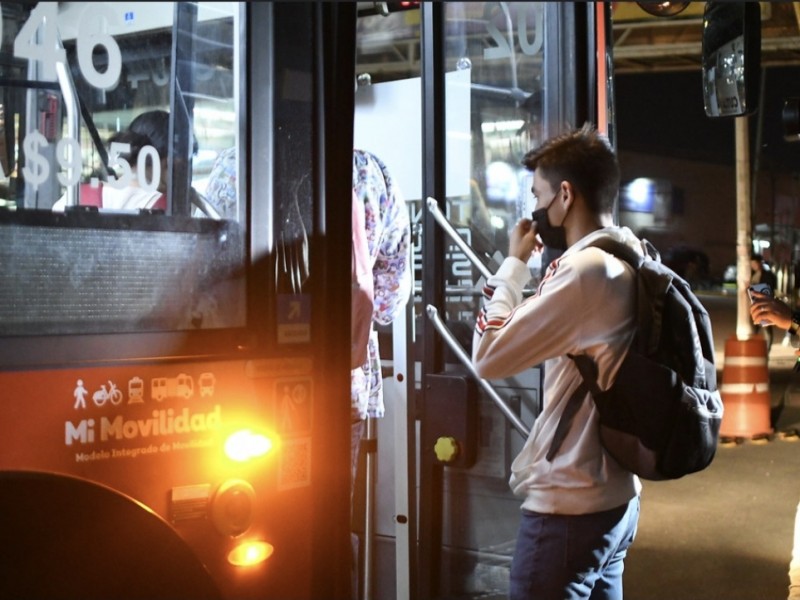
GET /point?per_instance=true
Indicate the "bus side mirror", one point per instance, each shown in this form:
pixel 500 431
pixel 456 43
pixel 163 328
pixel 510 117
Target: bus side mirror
pixel 731 58
pixel 662 9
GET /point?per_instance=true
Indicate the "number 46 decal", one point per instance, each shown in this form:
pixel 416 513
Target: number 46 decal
pixel 39 40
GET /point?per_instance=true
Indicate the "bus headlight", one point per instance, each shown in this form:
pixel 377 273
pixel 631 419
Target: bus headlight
pixel 250 553
pixel 243 445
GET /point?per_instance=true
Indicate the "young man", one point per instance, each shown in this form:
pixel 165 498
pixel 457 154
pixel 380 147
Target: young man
pixel 580 509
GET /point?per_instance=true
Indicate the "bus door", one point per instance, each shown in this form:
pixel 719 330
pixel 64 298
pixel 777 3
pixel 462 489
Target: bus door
pixel 172 336
pixel 479 84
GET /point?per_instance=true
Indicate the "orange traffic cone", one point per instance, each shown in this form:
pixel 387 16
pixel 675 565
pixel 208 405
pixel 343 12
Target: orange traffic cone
pixel 745 388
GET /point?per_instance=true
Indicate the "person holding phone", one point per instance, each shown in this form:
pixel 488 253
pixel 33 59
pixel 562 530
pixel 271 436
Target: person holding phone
pixel 769 311
pixel 766 309
pixel 761 275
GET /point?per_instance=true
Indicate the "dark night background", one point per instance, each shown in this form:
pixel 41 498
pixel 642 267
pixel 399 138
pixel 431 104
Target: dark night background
pixel 664 133
pixel 662 114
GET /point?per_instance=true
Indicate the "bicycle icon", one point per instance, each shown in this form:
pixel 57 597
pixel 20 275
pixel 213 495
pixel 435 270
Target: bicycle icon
pixel 101 396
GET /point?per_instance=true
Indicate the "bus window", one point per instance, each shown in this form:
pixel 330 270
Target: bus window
pixel 123 61
pixel 494 90
pixel 494 112
pixel 120 198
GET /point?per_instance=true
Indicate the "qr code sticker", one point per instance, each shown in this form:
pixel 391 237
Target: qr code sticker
pixel 295 464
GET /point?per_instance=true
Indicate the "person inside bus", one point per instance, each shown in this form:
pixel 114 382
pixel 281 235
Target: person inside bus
pixel 131 196
pixel 389 238
pixel 155 125
pixel 580 508
pixel 149 128
pixel 388 232
pixel 221 189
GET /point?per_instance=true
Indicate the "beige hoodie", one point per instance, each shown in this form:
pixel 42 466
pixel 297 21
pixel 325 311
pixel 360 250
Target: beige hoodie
pixel 584 304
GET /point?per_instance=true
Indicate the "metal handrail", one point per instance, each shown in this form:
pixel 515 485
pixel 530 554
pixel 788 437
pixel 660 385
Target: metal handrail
pixel 449 338
pixel 433 207
pixel 72 108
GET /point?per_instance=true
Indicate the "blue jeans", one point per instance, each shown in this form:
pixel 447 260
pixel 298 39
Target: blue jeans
pixel 572 557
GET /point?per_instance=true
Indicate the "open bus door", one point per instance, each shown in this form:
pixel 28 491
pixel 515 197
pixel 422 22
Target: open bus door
pixel 478 84
pixel 187 356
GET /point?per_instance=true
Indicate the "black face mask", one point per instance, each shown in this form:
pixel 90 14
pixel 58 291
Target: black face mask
pixel 552 237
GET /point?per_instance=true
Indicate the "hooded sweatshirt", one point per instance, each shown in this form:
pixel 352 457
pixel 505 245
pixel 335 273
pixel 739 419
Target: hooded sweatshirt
pixel 583 305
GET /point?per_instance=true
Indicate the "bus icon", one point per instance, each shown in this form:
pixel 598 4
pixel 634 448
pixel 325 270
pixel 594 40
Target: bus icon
pixel 181 386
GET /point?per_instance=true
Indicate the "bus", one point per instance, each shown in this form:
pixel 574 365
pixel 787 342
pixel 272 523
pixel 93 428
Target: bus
pixel 172 209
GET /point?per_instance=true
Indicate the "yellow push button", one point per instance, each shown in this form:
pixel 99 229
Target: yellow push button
pixel 446 449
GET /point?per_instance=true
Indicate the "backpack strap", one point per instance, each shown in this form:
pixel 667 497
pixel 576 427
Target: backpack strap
pixel 588 370
pixel 586 366
pixel 620 250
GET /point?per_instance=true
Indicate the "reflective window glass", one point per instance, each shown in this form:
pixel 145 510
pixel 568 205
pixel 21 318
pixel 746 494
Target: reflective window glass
pixel 120 148
pixel 495 52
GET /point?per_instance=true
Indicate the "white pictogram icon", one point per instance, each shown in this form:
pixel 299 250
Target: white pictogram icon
pixel 295 407
pixel 80 395
pixel 294 310
pixel 206 383
pixel 112 393
pixel 135 390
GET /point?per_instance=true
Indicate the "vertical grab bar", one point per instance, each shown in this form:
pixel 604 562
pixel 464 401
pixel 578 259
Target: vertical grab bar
pixel 369 509
pixel 71 103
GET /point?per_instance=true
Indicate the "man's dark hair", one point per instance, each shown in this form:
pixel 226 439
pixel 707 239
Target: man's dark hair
pixel 584 158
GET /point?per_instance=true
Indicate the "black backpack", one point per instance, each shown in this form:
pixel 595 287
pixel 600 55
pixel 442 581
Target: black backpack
pixel 661 417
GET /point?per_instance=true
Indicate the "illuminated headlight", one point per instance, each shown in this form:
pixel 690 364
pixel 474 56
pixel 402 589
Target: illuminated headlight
pixel 244 445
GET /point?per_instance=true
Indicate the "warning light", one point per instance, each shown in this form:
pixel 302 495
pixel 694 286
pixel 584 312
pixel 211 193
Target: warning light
pixel 251 553
pixel 244 445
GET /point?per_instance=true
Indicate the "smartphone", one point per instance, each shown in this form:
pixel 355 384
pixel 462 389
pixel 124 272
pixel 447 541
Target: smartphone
pixel 761 288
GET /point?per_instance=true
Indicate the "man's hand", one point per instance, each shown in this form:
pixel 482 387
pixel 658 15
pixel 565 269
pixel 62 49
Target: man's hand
pixel 523 240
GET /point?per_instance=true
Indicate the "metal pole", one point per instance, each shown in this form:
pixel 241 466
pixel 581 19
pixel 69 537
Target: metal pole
pixel 370 444
pixel 405 443
pixel 72 105
pixel 451 341
pixel 433 207
pixel 744 239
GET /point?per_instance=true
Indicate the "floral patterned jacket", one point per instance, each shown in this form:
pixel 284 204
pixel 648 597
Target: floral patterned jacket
pixel 389 237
